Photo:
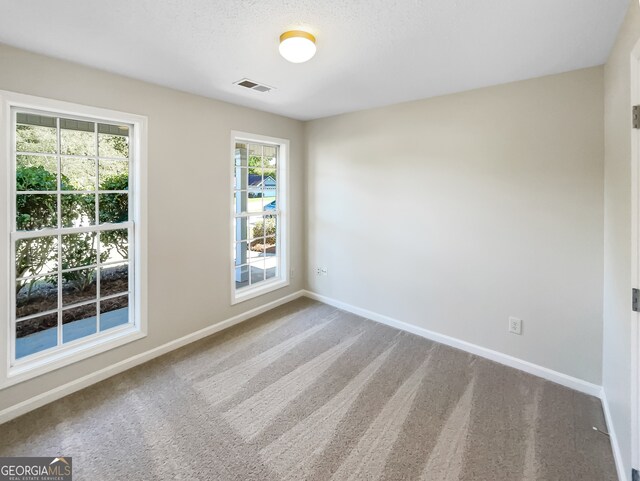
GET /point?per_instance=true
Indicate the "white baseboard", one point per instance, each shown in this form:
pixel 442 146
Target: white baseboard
pixel 85 381
pixel 617 454
pixel 526 366
pixel 514 362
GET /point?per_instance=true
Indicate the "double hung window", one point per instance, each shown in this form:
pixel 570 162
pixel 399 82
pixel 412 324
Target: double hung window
pixel 72 233
pixel 259 215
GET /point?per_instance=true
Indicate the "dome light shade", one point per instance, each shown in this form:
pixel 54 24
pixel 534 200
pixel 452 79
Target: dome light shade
pixel 297 46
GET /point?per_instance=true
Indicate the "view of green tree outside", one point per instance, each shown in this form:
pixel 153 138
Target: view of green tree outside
pixel 56 156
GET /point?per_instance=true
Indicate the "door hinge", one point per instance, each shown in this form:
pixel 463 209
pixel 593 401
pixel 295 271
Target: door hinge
pixel 635 117
pixel 635 300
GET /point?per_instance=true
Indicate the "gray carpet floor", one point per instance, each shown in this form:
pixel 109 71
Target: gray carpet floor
pixel 309 392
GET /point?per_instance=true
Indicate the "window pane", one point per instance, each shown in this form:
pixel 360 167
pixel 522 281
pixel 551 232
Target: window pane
pixel 268 151
pixel 113 208
pixel 240 253
pixel 114 174
pixel 269 199
pixel 37 334
pixel 257 270
pixel 240 201
pixel 77 137
pixel 263 226
pixel 36 133
pixel 270 244
pixel 255 150
pixel 241 228
pixel 270 172
pixel 79 250
pixel 255 252
pixel 113 141
pixel 256 227
pixel 240 177
pixel 241 276
pixel 255 167
pixel 77 174
pixel 78 286
pixel 255 204
pixel 36 295
pixel 36 173
pixel 271 225
pixel 114 244
pixel 270 183
pixel 240 157
pixel 270 154
pixel 270 204
pixel 257 247
pixel 271 266
pixel 114 280
pixel 35 178
pixel 79 322
pixel 114 312
pixel 78 210
pixel 36 256
pixel 255 183
pixel 36 211
pixel 264 246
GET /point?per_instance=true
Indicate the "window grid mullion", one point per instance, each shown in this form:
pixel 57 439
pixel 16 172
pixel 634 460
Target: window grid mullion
pixel 84 192
pixel 32 234
pixel 60 230
pixel 264 213
pixel 255 151
pixel 37 314
pixel 73 269
pixel 98 233
pixel 59 196
pixel 78 304
pixel 70 156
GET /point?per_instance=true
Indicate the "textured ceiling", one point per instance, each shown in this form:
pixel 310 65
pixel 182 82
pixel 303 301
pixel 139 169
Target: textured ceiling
pixel 370 52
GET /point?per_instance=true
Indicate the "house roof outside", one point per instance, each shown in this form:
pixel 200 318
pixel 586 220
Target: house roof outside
pixel 255 180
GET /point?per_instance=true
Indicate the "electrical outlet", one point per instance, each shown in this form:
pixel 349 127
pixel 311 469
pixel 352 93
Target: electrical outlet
pixel 515 325
pixel 321 271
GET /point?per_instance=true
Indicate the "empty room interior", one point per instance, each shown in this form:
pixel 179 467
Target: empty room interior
pixel 320 240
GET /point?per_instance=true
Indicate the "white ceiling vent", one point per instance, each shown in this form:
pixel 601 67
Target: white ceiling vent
pixel 253 85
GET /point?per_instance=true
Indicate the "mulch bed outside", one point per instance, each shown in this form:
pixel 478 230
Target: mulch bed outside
pixel 44 297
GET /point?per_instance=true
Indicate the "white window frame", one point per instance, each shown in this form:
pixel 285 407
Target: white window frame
pixel 635 265
pixel 16 371
pixel 282 236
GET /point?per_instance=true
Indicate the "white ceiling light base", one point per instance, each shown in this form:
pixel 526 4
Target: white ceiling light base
pixel 297 46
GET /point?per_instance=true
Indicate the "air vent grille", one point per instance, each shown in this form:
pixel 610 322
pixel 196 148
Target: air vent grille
pixel 253 85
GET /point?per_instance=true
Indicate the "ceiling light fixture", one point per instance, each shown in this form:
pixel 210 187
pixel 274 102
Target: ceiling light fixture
pixel 297 46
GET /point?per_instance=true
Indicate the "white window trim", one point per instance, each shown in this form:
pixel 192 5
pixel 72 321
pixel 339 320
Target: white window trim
pixel 282 196
pixel 81 349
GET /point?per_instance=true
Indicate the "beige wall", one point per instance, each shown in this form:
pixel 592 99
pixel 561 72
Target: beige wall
pixel 454 213
pixel 617 241
pixel 449 213
pixel 188 203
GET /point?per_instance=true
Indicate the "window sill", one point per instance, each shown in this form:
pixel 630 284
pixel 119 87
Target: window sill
pixel 239 296
pixel 30 368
